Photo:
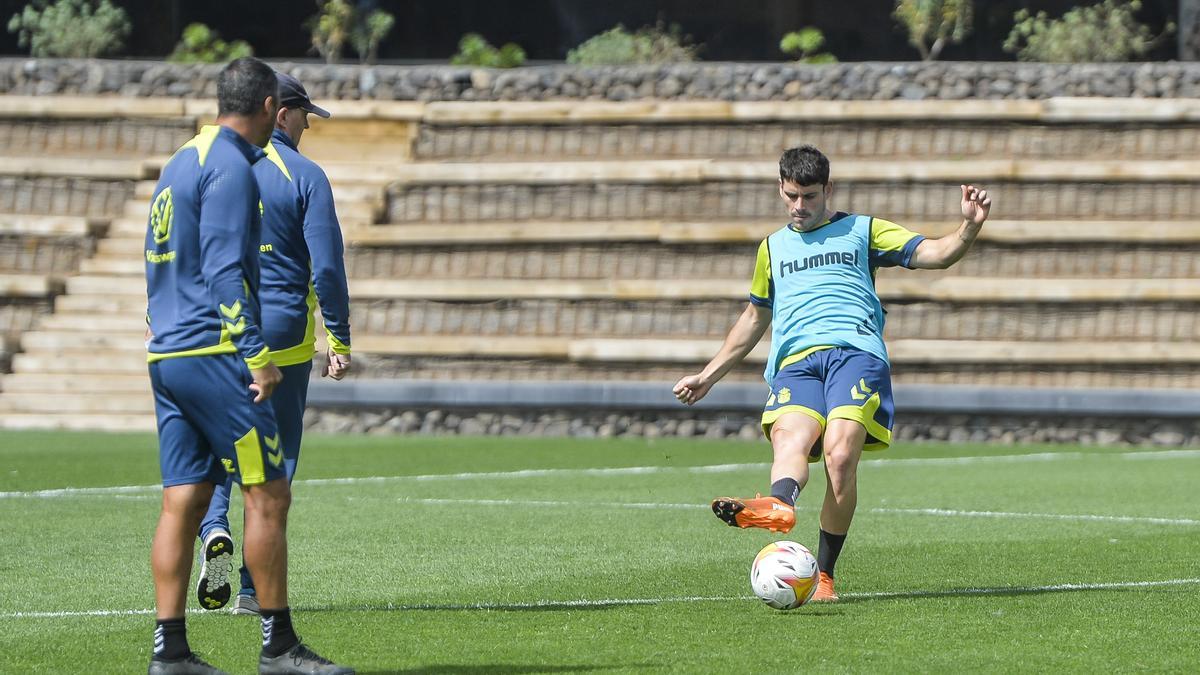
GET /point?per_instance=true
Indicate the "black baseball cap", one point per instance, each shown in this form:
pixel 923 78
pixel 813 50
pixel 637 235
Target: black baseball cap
pixel 292 94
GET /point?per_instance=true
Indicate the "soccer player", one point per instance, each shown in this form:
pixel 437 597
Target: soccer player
pixel 301 259
pixel 211 373
pixel 831 392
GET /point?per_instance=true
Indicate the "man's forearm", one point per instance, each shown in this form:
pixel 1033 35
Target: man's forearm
pixel 952 247
pixel 746 333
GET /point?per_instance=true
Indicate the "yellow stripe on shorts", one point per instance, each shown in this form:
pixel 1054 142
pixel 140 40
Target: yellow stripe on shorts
pixel 250 459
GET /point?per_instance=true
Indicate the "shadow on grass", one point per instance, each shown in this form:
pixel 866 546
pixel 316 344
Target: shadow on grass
pixel 499 669
pixel 543 606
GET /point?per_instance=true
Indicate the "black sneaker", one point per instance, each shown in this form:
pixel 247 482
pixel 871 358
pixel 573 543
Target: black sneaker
pixel 213 589
pixel 300 660
pixel 188 665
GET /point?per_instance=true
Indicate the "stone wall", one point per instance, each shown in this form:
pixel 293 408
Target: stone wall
pixel 700 81
pixel 911 428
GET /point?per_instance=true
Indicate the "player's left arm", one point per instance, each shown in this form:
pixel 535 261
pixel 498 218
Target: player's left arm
pixel 323 235
pixel 940 253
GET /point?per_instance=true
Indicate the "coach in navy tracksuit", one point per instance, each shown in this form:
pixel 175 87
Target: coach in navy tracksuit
pixel 301 258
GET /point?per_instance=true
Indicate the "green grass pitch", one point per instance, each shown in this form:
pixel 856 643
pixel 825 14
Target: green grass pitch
pixel 504 555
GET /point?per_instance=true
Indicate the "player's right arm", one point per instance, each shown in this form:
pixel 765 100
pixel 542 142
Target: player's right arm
pixel 228 197
pixel 743 336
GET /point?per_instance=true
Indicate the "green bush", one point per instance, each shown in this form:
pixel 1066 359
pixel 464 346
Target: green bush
pixel 201 44
pixel 475 50
pixel 804 43
pixel 933 23
pixel 650 44
pixel 71 28
pixel 1104 32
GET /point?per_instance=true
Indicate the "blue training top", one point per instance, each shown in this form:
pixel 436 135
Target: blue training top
pixel 202 252
pixel 301 255
pixel 820 285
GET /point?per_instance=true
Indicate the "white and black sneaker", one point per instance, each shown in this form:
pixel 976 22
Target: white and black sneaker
pixel 188 665
pixel 213 589
pixel 300 660
pixel 246 604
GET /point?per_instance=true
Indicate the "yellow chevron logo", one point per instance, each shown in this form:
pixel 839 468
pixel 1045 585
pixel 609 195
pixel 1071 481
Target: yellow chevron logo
pixel 236 328
pixel 276 458
pixel 232 312
pixel 272 442
pixel 863 394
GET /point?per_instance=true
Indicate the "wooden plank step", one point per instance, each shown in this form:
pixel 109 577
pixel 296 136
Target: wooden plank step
pixel 78 403
pixel 78 422
pixel 51 383
pixel 76 361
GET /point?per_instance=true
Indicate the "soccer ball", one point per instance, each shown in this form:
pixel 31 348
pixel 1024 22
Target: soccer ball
pixel 784 575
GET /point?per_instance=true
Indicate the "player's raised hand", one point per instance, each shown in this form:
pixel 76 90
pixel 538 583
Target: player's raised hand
pixel 691 389
pixel 976 204
pixel 336 365
pixel 265 380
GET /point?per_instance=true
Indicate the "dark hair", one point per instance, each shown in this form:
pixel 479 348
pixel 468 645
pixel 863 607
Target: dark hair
pixel 804 165
pixel 243 86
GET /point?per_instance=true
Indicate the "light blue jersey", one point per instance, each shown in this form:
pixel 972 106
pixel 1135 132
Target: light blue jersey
pixel 820 285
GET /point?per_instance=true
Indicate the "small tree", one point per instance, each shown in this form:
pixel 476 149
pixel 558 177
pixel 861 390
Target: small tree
pixel 1104 32
pixel 331 28
pixel 804 43
pixel 369 32
pixel 70 28
pixel 931 23
pixel 475 50
pixel 201 44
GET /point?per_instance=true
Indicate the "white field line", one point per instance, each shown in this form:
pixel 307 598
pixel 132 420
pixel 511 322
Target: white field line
pixel 899 462
pixel 628 602
pixel 1078 517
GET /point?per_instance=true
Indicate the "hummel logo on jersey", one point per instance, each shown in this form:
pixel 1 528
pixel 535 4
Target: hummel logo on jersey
pixel 820 260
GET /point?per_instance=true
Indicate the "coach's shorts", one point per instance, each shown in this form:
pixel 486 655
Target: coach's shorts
pixel 836 383
pixel 208 424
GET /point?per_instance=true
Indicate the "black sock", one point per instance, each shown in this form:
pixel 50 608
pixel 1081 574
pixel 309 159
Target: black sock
pixel 830 549
pixel 786 490
pixel 170 639
pixel 278 635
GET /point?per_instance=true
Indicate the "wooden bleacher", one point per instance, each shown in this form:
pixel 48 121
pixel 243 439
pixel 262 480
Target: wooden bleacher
pixel 597 240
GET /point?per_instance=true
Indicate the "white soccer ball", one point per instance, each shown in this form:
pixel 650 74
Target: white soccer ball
pixel 784 575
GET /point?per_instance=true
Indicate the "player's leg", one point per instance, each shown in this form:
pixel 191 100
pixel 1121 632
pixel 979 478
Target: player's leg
pixel 188 473
pixel 247 438
pixel 843 448
pixel 793 419
pixel 213 588
pixel 288 402
pixel 859 391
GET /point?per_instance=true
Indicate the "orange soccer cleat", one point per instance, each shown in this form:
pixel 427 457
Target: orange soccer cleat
pixel 768 513
pixel 824 592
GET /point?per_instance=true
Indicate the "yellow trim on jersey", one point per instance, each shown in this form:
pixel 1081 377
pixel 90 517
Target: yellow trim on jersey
pixel 760 285
pixel 865 415
pixel 336 345
pixel 888 236
pixel 224 347
pixel 260 360
pixel 798 357
pixel 202 142
pixel 293 355
pixel 250 458
pixel 277 160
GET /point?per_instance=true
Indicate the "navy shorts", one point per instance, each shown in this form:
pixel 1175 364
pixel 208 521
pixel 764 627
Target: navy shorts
pixel 209 426
pixel 836 383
